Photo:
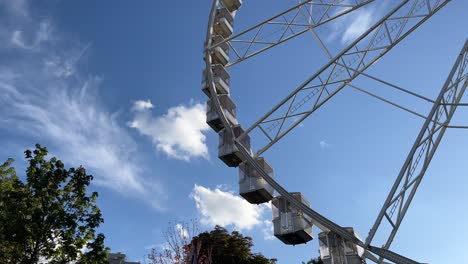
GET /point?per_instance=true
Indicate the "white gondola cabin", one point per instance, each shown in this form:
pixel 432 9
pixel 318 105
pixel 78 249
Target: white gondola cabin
pixel 291 225
pixel 227 150
pixel 252 186
pixel 232 5
pixel 223 23
pixel 334 249
pixel 212 116
pixel 220 79
pixel 220 52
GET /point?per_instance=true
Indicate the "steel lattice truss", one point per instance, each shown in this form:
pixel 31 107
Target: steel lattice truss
pixel 344 68
pixel 339 72
pixel 423 150
pixel 287 25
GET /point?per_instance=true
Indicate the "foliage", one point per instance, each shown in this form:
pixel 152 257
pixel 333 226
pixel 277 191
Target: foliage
pixel 214 247
pixel 314 261
pixel 218 246
pixel 97 252
pixel 50 218
pixel 8 210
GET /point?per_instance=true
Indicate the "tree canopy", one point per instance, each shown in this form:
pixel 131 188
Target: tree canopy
pixel 217 246
pixel 51 217
pixel 314 261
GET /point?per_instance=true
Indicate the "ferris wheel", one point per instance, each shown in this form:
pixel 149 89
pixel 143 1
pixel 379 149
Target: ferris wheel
pixel 293 216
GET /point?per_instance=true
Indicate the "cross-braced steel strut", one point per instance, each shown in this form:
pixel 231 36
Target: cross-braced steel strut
pixel 394 28
pixel 417 162
pixel 335 75
pixel 405 17
pixel 319 220
pixel 286 26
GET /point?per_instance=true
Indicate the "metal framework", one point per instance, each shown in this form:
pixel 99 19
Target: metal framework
pixel 343 68
pixel 424 147
pixel 287 25
pixel 339 72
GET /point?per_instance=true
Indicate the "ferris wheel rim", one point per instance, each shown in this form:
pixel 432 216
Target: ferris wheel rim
pixel 250 159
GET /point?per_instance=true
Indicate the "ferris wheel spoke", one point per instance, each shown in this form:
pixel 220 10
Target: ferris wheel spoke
pixel 339 72
pixel 285 26
pixel 417 162
pixel 392 256
pixel 319 220
pixel 330 79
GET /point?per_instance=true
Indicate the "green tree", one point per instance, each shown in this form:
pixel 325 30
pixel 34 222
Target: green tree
pixel 97 252
pixel 51 217
pixel 314 261
pixel 218 246
pixel 215 247
pixel 9 207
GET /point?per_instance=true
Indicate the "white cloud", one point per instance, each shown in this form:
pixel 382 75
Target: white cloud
pixel 217 207
pixel 41 35
pixel 42 103
pixel 65 66
pixel 178 133
pixel 142 105
pixel 183 233
pixel 267 230
pixel 323 144
pixel 352 25
pixel 359 24
pixel 17 39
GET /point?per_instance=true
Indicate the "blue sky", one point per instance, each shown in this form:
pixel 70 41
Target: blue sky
pixel 115 86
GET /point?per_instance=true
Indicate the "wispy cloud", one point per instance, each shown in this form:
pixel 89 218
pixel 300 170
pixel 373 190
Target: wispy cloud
pixel 179 133
pixel 42 35
pixel 267 230
pixel 359 24
pixel 44 98
pixel 17 8
pixel 351 26
pixel 17 39
pixel 182 231
pixel 323 144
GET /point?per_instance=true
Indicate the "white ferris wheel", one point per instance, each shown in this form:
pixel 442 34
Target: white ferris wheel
pixel 293 217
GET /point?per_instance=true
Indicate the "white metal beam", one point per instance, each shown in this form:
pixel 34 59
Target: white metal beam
pixel 424 147
pixel 330 79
